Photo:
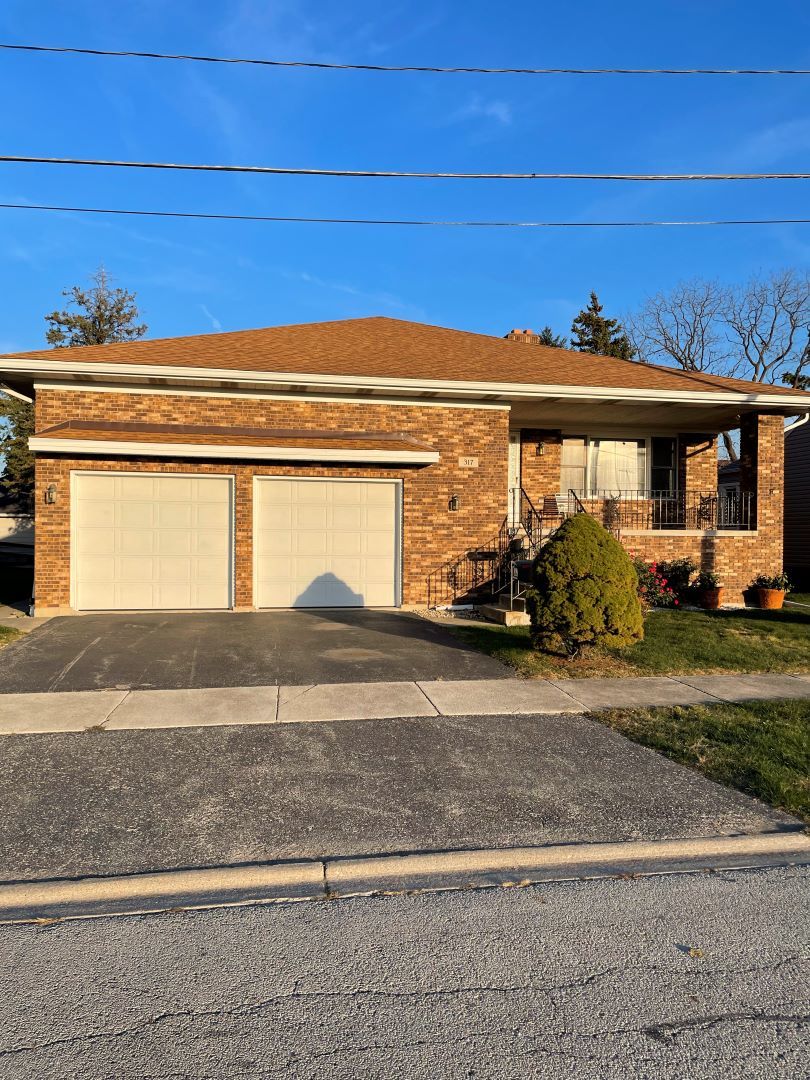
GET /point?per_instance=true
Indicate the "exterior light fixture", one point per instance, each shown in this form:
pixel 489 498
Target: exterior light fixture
pixel 50 494
pixel 453 503
pixel 541 449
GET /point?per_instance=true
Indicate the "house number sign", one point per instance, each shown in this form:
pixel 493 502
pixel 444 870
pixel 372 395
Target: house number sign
pixel 468 462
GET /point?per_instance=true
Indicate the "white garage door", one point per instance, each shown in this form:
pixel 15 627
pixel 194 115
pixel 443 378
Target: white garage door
pixel 326 543
pixel 150 542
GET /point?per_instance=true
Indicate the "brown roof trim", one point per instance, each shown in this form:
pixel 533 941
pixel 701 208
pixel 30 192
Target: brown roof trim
pixel 203 431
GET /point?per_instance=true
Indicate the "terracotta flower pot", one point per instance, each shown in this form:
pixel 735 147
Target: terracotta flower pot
pixel 711 599
pixel 771 599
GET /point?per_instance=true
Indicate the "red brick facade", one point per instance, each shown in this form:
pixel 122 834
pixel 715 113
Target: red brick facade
pixel 431 533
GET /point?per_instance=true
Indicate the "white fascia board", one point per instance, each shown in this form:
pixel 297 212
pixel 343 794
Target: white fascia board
pixel 99 447
pixel 526 391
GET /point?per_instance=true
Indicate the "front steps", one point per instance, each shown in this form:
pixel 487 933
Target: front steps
pixel 500 612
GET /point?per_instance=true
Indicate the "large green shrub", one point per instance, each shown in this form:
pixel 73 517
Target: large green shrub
pixel 585 590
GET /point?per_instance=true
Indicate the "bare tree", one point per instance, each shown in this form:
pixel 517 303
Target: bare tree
pixel 684 326
pixel 767 320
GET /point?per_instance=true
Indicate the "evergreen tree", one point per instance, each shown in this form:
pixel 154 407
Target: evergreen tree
pixel 17 420
pixel 556 341
pixel 103 315
pixel 593 333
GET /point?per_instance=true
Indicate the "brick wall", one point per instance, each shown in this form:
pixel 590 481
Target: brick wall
pixel 540 471
pixel 431 534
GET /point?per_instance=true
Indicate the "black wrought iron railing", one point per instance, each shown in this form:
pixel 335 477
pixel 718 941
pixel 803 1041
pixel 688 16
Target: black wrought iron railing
pixel 654 510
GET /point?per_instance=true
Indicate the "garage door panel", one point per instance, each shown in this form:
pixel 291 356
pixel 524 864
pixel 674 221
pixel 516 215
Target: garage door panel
pixel 326 543
pixel 347 517
pixel 98 487
pixel 212 515
pixel 95 596
pixel 148 542
pixel 96 514
pixel 172 542
pixel 174 515
pixel 212 543
pixel 96 542
pixel 174 488
pixel 100 569
pixel 135 515
pixel 134 487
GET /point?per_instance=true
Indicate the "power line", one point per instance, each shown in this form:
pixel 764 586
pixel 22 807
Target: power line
pixel 324 65
pixel 380 173
pixel 402 221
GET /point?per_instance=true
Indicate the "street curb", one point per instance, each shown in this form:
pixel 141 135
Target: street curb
pixel 136 894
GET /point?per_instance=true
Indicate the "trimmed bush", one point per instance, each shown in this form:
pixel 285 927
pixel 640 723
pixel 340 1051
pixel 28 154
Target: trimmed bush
pixel 585 591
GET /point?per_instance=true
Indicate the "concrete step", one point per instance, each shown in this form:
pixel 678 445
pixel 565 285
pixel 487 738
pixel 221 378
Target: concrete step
pixel 518 604
pixel 503 615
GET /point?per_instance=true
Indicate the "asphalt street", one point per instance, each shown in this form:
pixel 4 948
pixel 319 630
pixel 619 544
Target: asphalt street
pixel 674 976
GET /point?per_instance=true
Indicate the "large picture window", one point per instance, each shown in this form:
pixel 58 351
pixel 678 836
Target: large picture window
pixel 594 465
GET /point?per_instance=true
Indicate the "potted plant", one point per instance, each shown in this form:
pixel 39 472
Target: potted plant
pixel 709 590
pixel 770 590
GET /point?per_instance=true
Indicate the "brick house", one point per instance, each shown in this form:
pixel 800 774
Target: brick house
pixel 374 462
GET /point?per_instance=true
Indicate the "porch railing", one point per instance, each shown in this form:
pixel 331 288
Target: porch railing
pixel 702 511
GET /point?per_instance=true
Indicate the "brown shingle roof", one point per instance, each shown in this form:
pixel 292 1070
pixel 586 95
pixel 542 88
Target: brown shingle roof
pixel 380 347
pixel 203 434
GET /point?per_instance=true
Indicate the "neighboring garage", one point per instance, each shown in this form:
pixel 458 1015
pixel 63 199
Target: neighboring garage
pixel 145 541
pixel 326 543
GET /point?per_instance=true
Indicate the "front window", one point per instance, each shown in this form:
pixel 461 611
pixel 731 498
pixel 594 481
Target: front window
pixel 610 466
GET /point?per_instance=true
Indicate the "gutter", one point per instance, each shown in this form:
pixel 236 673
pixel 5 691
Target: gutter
pixel 225 377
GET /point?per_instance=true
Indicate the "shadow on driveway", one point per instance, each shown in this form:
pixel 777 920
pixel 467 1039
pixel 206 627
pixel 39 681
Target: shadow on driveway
pixel 167 651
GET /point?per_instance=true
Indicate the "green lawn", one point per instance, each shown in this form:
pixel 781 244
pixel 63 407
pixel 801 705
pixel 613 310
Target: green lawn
pixel 7 635
pixel 761 747
pixel 675 643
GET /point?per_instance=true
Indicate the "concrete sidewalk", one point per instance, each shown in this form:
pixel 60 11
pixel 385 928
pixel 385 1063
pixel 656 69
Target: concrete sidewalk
pixel 23 714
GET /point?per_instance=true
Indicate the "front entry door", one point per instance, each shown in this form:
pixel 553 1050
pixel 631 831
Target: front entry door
pixel 514 478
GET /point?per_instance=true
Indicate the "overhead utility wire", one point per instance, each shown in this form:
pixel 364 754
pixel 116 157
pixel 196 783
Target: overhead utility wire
pixel 401 221
pixel 278 171
pixel 324 65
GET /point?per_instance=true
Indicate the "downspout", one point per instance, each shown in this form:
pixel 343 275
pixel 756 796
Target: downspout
pixel 798 423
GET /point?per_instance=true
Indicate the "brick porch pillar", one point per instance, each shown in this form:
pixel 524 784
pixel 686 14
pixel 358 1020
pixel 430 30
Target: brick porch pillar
pixel 762 472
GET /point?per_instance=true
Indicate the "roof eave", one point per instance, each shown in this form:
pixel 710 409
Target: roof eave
pixel 15 369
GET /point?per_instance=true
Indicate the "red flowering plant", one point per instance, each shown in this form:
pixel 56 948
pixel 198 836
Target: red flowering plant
pixel 654 590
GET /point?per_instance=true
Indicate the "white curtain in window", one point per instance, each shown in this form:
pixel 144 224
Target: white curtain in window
pixel 572 471
pixel 617 465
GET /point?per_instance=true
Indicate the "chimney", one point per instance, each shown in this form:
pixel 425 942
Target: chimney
pixel 527 336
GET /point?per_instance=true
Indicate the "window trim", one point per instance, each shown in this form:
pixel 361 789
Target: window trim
pixel 646 439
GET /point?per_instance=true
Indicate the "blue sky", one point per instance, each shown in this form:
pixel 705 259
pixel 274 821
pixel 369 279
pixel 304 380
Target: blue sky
pixel 195 277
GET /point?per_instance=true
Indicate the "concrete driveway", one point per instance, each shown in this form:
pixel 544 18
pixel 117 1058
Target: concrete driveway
pixel 167 651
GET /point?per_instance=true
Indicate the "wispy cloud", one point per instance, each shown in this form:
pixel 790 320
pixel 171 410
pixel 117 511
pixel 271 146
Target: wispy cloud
pixel 774 143
pixel 215 323
pixel 385 300
pixel 480 108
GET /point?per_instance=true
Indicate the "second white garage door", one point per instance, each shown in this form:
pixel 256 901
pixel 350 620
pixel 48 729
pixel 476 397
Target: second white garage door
pixel 326 543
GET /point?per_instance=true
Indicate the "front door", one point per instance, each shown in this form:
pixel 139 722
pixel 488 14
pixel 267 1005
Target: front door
pixel 514 478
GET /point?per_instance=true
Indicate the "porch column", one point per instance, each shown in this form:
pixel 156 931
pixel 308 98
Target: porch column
pixel 697 462
pixel 762 472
